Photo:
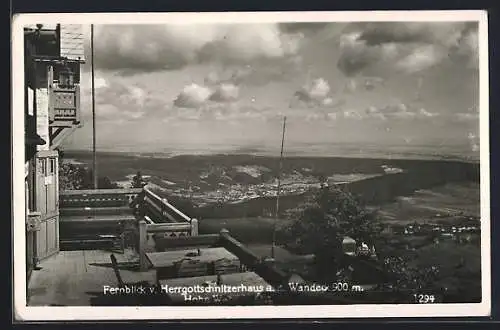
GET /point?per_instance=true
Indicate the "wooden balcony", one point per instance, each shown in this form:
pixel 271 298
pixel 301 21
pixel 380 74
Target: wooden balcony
pixel 77 277
pixel 53 56
pixel 64 106
pixel 94 216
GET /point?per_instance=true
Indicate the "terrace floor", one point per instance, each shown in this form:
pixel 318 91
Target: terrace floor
pixel 77 278
pixel 74 278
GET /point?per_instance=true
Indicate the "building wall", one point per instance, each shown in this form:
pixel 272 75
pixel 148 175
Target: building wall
pixel 42 172
pixel 72 42
pixel 44 27
pixel 42 112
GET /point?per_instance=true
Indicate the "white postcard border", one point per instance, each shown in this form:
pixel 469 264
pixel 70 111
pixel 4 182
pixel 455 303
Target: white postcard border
pixel 52 313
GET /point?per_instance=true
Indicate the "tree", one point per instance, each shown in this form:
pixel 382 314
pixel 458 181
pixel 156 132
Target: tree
pixel 72 177
pixel 60 153
pixel 320 224
pixel 76 177
pixel 138 181
pixel 406 277
pixel 103 182
pixel 329 215
pixel 323 180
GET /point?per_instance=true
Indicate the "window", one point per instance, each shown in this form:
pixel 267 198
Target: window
pixel 65 79
pixel 41 166
pixel 52 166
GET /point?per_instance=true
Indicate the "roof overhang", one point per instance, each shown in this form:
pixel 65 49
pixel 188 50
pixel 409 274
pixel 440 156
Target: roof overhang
pixel 34 139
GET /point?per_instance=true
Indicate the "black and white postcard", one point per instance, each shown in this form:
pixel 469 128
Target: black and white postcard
pixel 251 165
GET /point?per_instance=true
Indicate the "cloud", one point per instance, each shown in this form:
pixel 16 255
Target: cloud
pixel 422 58
pixel 214 78
pixel 395 111
pixel 319 89
pixel 468 47
pixel 303 27
pixel 110 112
pixel 163 47
pixel 356 55
pixel 116 99
pixel 332 116
pixel 398 111
pixel 211 111
pixel 414 47
pixel 197 96
pixel 122 95
pixel 247 112
pixel 100 82
pixel 370 83
pixel 327 101
pixel 256 74
pixel 248 42
pixel 352 114
pixel 193 96
pixel 315 117
pixel 380 33
pixel 423 112
pixel 467 116
pixel 366 83
pixel 315 94
pixel 225 93
pixel 473 141
pixel 351 86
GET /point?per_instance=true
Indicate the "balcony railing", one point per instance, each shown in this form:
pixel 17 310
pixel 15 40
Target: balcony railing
pixel 160 210
pixel 95 216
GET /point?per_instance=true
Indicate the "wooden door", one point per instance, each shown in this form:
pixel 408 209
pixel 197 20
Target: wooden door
pixel 47 237
pixel 30 239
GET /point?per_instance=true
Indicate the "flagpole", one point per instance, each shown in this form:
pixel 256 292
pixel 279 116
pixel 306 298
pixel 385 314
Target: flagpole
pixel 93 109
pixel 279 187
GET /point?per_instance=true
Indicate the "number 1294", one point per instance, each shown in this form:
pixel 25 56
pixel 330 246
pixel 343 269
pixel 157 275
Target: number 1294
pixel 424 298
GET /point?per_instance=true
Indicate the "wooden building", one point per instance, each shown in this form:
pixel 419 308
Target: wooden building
pixel 53 56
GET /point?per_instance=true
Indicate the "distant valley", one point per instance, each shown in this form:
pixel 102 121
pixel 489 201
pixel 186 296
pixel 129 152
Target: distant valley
pixel 225 186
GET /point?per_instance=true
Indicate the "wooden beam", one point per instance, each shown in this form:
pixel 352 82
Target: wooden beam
pixel 117 271
pixel 56 142
pixel 143 241
pixel 54 131
pixel 161 204
pixel 90 192
pixel 123 210
pixel 187 241
pixel 271 274
pixel 169 227
pixel 47 153
pixel 63 123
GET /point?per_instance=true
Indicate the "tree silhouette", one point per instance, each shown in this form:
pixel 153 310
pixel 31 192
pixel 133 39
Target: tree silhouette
pixel 76 177
pixel 320 224
pixel 406 277
pixel 138 181
pixel 329 215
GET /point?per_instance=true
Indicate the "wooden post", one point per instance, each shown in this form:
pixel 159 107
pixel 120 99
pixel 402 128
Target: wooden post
pixel 268 261
pixel 163 209
pixel 278 190
pixel 117 271
pixel 143 241
pixel 194 227
pixel 94 158
pixel 224 232
pixel 42 116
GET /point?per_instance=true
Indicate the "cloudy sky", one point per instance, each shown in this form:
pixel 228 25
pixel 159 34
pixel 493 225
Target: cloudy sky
pixel 202 86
